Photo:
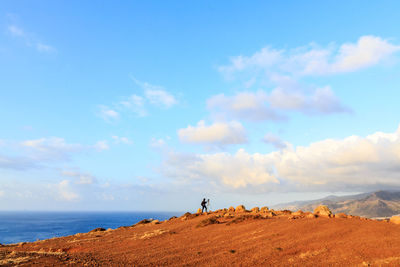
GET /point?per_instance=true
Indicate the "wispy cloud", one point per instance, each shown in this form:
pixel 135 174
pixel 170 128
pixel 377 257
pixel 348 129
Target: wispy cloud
pixel 153 95
pixel 314 59
pixel 215 134
pixel 29 39
pixel 156 95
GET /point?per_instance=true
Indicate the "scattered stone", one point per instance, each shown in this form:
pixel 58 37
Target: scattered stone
pixel 144 221
pixel 208 221
pixel 232 251
pixel 298 213
pixel 240 208
pixel 395 219
pixel 173 217
pixel 231 209
pixel 99 229
pixel 340 215
pixel 155 222
pixel 255 210
pixel 323 210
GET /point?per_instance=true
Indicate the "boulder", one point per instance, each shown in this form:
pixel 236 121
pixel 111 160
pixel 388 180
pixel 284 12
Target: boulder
pixel 264 209
pixel 322 210
pixel 100 229
pixel 240 208
pixel 231 209
pixel 255 210
pixel 395 219
pixel 298 213
pixel 311 215
pixel 340 215
pixel 155 222
pixel 199 210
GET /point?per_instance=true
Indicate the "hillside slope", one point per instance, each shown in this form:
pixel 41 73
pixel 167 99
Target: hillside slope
pixel 222 239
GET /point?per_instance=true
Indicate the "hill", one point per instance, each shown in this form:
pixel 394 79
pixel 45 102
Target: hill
pixel 371 205
pixel 222 238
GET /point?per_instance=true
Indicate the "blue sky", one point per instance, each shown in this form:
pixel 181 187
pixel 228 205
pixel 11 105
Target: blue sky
pixel 134 105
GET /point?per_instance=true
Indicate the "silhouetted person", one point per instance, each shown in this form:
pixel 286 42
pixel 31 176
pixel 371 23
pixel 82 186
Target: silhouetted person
pixel 204 205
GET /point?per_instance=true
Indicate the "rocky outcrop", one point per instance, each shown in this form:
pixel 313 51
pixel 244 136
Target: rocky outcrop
pixel 323 210
pixel 199 210
pixel 231 209
pixel 240 208
pixel 395 219
pixel 341 215
pixel 255 210
pixel 264 209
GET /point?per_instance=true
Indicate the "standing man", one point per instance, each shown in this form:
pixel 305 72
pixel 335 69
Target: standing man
pixel 204 205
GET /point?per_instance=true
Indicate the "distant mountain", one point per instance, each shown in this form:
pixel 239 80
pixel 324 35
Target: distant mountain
pixel 372 205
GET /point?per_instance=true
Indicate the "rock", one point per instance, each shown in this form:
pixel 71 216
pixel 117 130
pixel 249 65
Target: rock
pixel 264 209
pixel 231 209
pixel 240 208
pixel 99 229
pixel 311 215
pixel 199 210
pixel 322 210
pixel 395 219
pixel 298 213
pixel 155 222
pixel 340 215
pixel 255 210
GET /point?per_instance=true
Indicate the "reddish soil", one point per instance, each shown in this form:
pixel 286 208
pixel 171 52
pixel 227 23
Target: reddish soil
pixel 217 239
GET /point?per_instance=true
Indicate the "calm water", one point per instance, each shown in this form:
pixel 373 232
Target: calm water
pixel 31 226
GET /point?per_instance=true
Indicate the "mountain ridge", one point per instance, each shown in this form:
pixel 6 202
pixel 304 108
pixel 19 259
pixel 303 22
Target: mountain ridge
pixel 372 205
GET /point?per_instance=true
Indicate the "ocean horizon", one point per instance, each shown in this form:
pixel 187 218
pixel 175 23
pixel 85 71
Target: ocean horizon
pixel 29 226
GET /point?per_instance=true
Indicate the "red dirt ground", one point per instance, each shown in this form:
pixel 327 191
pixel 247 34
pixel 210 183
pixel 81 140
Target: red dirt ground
pixel 221 239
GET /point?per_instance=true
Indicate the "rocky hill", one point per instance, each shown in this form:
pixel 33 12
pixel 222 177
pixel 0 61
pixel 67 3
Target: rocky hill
pixel 228 237
pixel 371 205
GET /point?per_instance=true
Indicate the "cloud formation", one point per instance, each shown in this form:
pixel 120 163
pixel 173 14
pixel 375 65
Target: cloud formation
pixel 244 105
pixel 362 163
pixel 313 59
pixel 219 133
pixel 153 95
pixel 261 106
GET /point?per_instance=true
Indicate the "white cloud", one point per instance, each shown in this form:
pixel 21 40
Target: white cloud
pixel 29 39
pixel 159 143
pixel 218 133
pixel 160 97
pixel 352 163
pixel 156 95
pixel 259 106
pixel 244 105
pixel 65 191
pixel 121 139
pixel 314 60
pixel 321 100
pixel 101 145
pixel 51 148
pixel 274 140
pixel 229 170
pixel 108 114
pixel 16 31
pixel 136 104
pixel 82 178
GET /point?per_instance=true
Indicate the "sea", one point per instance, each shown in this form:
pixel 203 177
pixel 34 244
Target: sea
pixel 26 226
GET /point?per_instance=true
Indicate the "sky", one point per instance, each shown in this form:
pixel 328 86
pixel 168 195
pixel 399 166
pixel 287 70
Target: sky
pixel 153 105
